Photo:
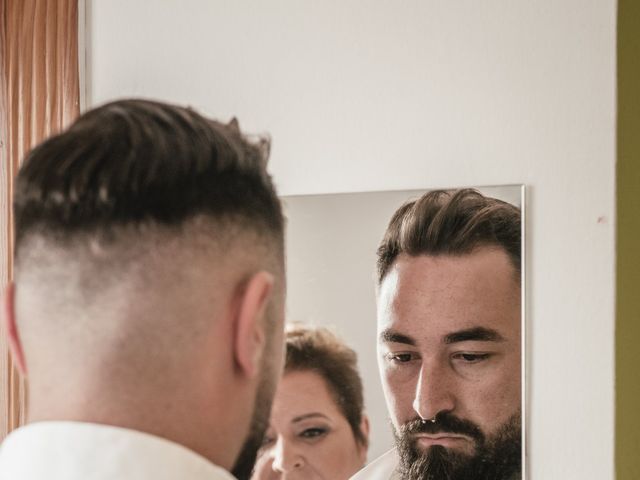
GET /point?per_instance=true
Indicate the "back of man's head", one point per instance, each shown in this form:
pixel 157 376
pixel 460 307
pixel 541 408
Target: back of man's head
pixel 139 232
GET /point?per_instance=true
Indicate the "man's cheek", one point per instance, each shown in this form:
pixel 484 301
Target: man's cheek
pixel 400 399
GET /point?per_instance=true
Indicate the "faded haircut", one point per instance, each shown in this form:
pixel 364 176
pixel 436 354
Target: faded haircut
pixel 133 163
pixel 450 222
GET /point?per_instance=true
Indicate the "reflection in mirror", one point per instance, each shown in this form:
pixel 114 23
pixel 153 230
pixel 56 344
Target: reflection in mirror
pixel 445 341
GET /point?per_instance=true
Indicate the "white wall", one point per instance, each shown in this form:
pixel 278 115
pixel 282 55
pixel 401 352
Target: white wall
pixel 379 95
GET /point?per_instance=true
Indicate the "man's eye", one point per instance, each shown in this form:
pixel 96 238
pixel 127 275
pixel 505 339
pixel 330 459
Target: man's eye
pixel 471 357
pixel 399 357
pixel 313 432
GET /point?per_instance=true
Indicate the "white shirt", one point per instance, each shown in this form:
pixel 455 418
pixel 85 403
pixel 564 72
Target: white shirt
pixel 382 468
pixel 75 451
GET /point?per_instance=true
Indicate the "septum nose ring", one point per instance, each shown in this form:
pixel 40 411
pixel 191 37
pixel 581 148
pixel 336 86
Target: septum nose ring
pixel 425 421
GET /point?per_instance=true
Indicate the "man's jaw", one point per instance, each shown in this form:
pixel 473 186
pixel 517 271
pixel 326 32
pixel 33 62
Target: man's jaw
pixel 453 447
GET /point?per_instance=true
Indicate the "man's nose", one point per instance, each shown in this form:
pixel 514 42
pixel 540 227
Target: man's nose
pixel 286 458
pixel 434 392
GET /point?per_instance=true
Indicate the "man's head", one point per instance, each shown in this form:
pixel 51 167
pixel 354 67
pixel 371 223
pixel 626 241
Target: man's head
pixel 449 335
pixel 149 276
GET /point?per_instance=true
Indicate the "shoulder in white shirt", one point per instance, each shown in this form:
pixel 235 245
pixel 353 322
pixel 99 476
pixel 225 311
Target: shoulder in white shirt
pixel 76 450
pixel 382 468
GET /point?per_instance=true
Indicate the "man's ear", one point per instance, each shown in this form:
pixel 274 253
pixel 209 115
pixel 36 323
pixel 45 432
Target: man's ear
pixel 365 429
pixel 250 325
pixel 9 323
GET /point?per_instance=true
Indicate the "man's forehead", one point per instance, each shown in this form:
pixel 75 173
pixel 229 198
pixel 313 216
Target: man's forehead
pixel 426 275
pixel 482 260
pixel 447 293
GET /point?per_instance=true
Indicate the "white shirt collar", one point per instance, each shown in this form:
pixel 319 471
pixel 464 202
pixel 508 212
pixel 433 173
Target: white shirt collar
pixel 382 468
pixel 75 450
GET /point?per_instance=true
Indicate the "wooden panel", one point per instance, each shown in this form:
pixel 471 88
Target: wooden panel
pixel 40 95
pixel 5 365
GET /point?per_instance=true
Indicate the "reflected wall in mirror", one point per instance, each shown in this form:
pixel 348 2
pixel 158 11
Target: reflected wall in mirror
pixel 447 337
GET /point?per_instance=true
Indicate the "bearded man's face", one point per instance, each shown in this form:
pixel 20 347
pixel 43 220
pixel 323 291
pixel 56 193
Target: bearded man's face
pixel 449 356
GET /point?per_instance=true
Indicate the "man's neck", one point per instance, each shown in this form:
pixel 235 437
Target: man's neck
pixel 178 423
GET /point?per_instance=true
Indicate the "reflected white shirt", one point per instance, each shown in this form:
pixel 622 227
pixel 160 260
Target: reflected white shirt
pixel 76 450
pixel 382 468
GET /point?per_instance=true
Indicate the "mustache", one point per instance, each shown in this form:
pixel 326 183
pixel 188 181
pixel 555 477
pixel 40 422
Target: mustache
pixel 445 423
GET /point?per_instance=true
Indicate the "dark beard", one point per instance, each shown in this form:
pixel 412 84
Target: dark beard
pixel 243 468
pixel 495 458
pixel 246 460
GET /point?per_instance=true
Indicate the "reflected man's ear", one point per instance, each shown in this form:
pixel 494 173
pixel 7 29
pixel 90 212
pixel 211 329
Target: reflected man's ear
pixel 249 329
pixel 9 323
pixel 365 429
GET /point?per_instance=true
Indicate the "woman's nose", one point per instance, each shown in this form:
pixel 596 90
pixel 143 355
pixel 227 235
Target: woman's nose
pixel 286 457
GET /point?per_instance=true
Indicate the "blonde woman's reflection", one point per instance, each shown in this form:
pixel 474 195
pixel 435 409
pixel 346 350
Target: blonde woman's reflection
pixel 317 428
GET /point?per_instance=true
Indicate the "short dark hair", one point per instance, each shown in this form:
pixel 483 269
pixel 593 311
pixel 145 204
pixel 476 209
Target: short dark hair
pixel 321 351
pixel 138 161
pixel 451 222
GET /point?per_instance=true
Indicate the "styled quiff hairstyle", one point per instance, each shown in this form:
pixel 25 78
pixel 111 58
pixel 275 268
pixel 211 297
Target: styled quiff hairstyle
pixel 451 222
pixel 320 351
pixel 133 162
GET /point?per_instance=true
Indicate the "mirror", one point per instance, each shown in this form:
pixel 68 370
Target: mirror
pixel 331 263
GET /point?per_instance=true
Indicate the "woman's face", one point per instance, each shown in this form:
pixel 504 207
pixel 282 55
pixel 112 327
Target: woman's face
pixel 308 437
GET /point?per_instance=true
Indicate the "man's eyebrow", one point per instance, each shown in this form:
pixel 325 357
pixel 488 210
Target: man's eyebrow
pixel 391 336
pixel 481 334
pixel 308 415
